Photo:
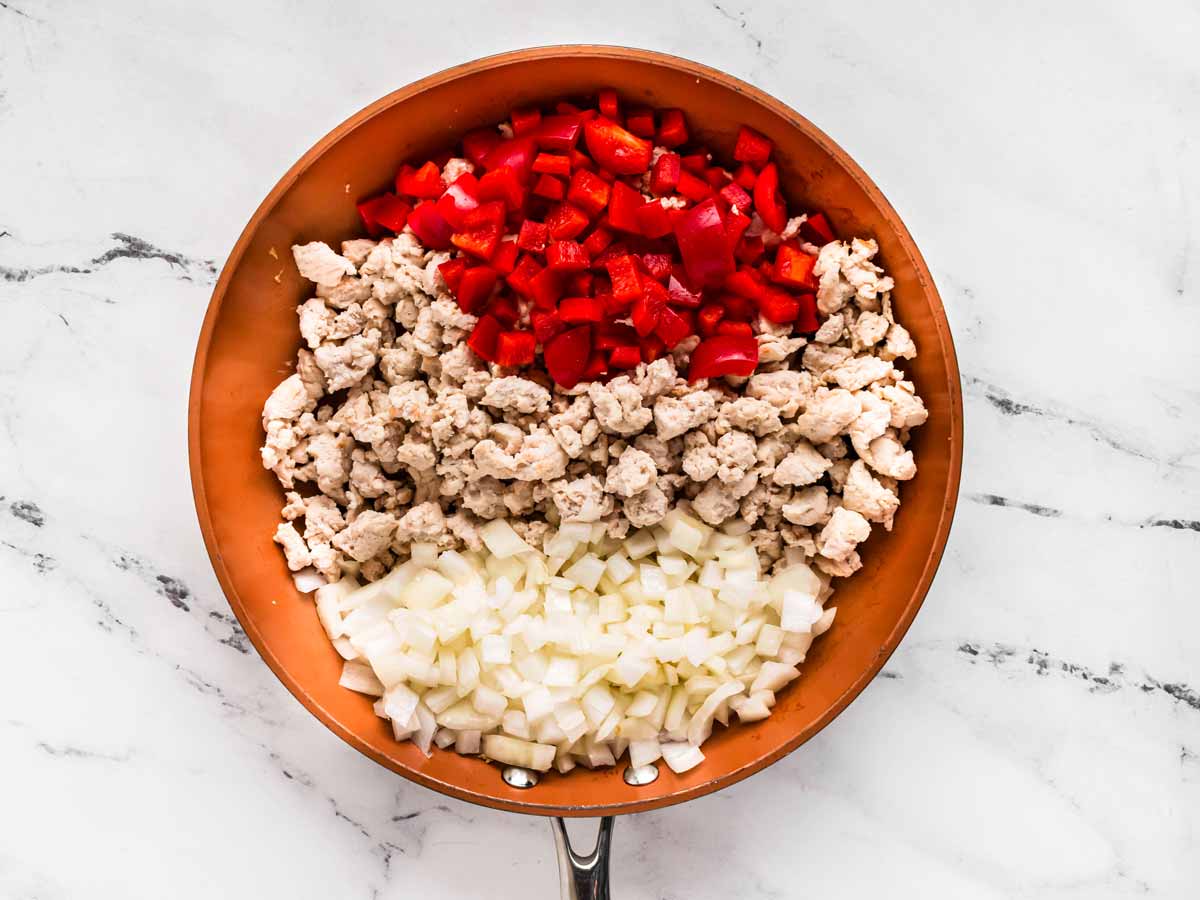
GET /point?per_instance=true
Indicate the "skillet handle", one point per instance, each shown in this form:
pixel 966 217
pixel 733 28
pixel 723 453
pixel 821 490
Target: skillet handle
pixel 583 877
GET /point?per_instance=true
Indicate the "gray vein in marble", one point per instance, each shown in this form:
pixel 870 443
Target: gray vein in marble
pixel 1179 524
pixel 40 561
pixel 740 21
pixel 70 751
pixel 1115 679
pixel 27 511
pixel 996 500
pixel 20 12
pixel 128 247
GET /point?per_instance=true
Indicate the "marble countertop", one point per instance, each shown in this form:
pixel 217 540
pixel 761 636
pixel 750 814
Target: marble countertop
pixel 1037 734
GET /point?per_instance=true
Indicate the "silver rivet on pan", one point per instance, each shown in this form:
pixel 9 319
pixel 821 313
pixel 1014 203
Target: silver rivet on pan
pixel 515 776
pixel 640 775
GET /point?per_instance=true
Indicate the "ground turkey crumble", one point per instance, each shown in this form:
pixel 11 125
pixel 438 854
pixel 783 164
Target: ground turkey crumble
pixel 391 431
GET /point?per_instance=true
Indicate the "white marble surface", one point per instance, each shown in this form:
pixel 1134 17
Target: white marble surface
pixel 1036 736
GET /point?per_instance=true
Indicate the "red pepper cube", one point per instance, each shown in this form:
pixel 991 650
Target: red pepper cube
pixel 525 120
pixel 735 195
pixel 546 324
pixel 615 334
pixel 750 250
pixel 679 295
pixel 623 205
pixel 707 318
pixel 485 214
pixel 430 226
pixel 672 128
pixel 475 288
pixel 597 366
pixel 626 283
pixel 614 308
pixel 735 226
pixel 521 278
pixel 737 307
pixel 625 357
pixel 502 184
pixel 479 143
pixel 533 236
pixel 545 288
pixel 652 348
pixel 794 268
pixel 616 149
pixel 742 329
pixel 552 164
pixel 566 256
pixel 452 272
pixel 515 348
pixel 567 355
pixel 672 327
pixel 392 213
pixel 423 183
pixel 724 355
pixel 549 187
pixel 767 201
pixel 517 153
pixel 484 337
pixel 746 283
pixel 597 241
pixel 505 257
pixel 745 176
pixel 716 177
pixel 567 108
pixel 566 222
pixel 806 318
pixel 608 103
pixel 559 133
pixel 577 310
pixel 752 147
pixel 816 229
pixel 657 265
pixel 693 188
pixel 703 244
pixel 589 192
pixel 665 174
pixel 653 220
pixel 778 306
pixel 648 308
pixel 579 284
pixel 695 163
pixel 368 210
pixel 580 160
pixel 459 199
pixel 641 121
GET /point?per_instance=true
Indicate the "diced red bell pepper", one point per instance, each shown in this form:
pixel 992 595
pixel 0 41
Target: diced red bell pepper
pixel 424 183
pixel 552 164
pixel 615 334
pixel 580 160
pixel 479 143
pixel 750 249
pixel 657 265
pixel 735 226
pixel 505 310
pixel 625 357
pixel 607 101
pixel 567 354
pixel 559 133
pixel 626 283
pixel 752 147
pixel 640 121
pixel 794 268
pixel 566 256
pixel 614 308
pixel 616 149
pixel 735 195
pixel 431 227
pixel 505 257
pixel 515 348
pixel 653 220
pixel 517 153
pixel 652 348
pixel 459 199
pixel 480 242
pixel 707 318
pixel 716 177
pixel 672 327
pixel 452 272
pixel 577 310
pixel 778 306
pixel 742 329
pixel 525 120
pixel 806 318
pixel 679 295
pixel 484 337
pixel 623 205
pixel 390 212
pixel 737 307
pixel 474 288
pixel 522 275
pixel 533 236
pixel 745 176
pixel 566 222
pixel 700 234
pixel 369 209
pixel 545 288
pixel 589 192
pixel 648 308
pixel 816 229
pixel 746 282
pixel 695 163
pixel 579 284
pixel 612 252
pixel 767 201
pixel 597 241
pixel 502 184
pixel 490 213
pixel 665 174
pixel 549 187
pixel 546 324
pixel 597 366
pixel 672 129
pixel 566 108
pixel 723 355
pixel 692 187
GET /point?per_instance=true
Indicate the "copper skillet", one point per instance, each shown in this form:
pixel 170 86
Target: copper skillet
pixel 248 342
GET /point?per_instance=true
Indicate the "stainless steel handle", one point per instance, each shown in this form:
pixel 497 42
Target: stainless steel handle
pixel 583 877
